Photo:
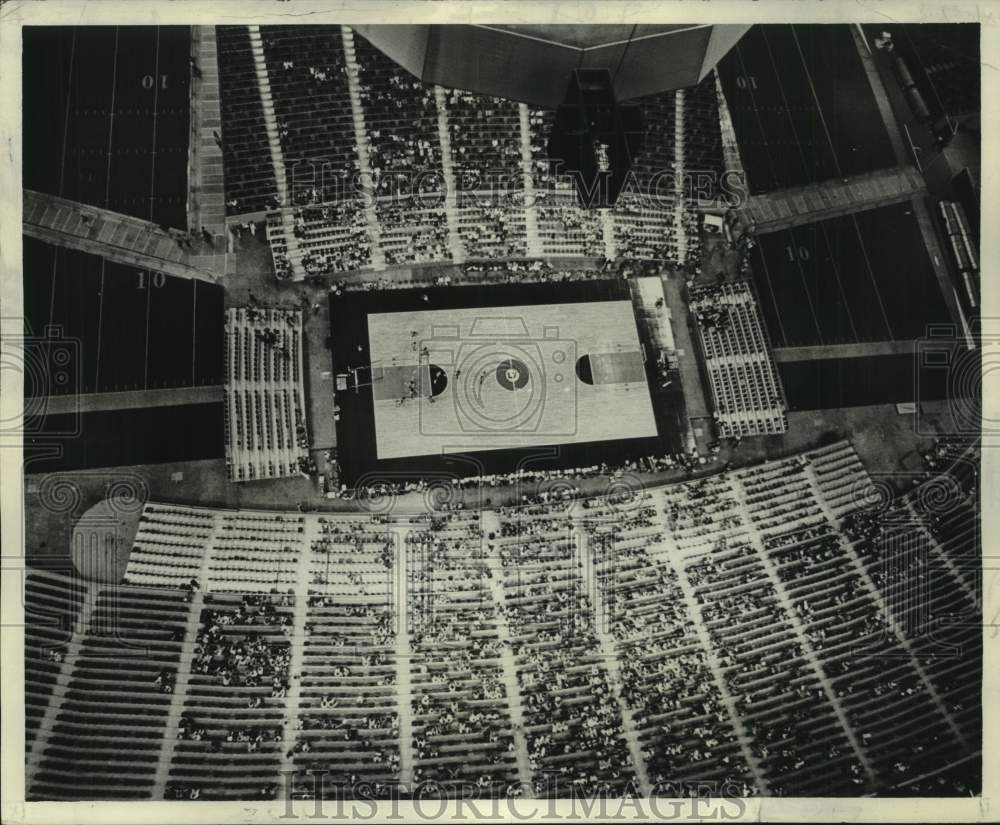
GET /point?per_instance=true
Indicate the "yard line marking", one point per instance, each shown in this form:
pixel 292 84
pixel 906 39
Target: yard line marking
pixel 788 109
pixel 69 100
pixel 760 123
pixel 805 288
pixel 111 122
pixel 107 195
pixel 156 100
pixel 194 326
pixel 819 108
pixel 145 362
pixel 62 175
pixel 774 300
pixel 840 285
pixel 871 273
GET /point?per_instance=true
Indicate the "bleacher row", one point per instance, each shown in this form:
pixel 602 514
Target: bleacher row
pixel 265 425
pixel 308 73
pixel 746 389
pixel 763 622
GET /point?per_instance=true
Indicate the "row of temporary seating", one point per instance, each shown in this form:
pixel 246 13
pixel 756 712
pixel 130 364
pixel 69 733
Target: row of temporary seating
pixel 218 550
pixel 265 426
pixel 169 546
pixel 745 385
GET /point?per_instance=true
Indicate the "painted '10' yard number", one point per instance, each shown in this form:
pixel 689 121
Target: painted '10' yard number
pixel 158 279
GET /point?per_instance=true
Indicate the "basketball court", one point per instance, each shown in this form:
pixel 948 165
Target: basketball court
pixel 502 376
pixel 487 378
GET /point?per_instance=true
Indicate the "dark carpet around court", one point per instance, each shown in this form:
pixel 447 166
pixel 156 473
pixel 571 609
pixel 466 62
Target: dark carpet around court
pixel 357 455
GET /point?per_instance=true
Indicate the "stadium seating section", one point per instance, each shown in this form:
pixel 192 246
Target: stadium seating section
pixel 746 390
pixel 448 168
pixel 755 628
pixel 266 434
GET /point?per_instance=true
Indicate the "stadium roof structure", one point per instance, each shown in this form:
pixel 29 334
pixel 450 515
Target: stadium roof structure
pixel 532 64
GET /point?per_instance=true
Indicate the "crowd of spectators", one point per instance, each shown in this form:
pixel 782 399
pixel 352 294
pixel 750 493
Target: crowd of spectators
pixel 227 648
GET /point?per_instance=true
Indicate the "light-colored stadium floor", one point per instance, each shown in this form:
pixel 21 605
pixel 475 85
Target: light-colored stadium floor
pixel 475 412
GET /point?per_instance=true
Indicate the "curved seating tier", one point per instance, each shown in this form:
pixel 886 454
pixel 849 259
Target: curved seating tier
pixel 775 629
pixel 51 608
pixel 573 725
pixel 105 741
pixel 320 101
pixel 461 719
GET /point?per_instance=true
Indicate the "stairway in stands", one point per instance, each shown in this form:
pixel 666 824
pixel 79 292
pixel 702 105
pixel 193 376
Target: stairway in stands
pixel 291 251
pixel 455 244
pixel 361 142
pixel 530 208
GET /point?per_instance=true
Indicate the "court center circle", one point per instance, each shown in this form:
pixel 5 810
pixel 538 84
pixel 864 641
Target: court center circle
pixel 512 374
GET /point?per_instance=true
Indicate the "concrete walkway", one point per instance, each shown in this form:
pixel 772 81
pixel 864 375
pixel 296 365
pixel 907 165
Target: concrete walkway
pixel 119 238
pixel 455 243
pixel 789 355
pixel 133 399
pixel 491 524
pixel 819 201
pixel 403 655
pixel 206 194
pixel 296 661
pixel 606 642
pixel 534 242
pixel 361 142
pixel 183 676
